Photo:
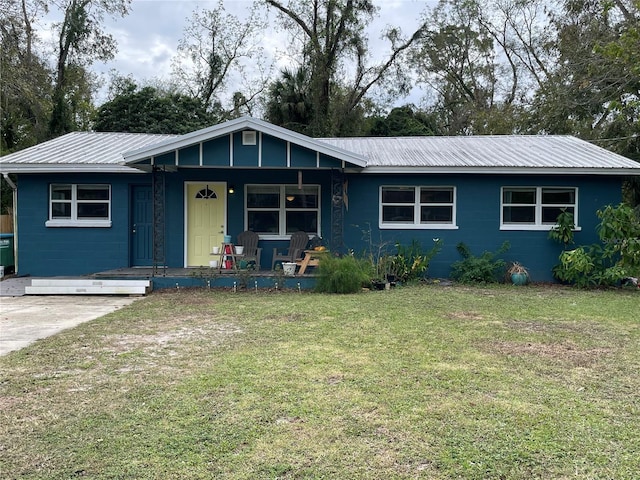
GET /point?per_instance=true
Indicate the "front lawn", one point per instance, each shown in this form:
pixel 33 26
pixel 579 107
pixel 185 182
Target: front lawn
pixel 421 382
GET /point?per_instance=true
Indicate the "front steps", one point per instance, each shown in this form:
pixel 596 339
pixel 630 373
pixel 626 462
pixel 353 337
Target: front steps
pixel 66 286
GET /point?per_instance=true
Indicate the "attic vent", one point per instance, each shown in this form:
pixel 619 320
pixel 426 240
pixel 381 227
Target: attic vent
pixel 249 137
pixel 207 193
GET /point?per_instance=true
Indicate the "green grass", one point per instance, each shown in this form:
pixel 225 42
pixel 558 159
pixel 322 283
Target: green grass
pixel 422 382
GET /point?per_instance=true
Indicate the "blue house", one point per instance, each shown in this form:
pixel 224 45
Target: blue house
pixel 90 202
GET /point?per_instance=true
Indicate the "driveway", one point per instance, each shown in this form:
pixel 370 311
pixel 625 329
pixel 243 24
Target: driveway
pixel 25 319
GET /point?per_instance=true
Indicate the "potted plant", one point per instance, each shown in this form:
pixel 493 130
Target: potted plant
pixel 518 273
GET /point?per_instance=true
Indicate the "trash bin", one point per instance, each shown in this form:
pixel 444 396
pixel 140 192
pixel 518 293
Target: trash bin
pixel 6 251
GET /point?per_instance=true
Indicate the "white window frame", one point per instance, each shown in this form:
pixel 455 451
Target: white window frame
pixel 282 209
pixel 537 224
pixel 417 207
pixel 74 221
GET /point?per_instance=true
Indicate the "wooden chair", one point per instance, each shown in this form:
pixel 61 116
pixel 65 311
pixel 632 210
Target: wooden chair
pixel 297 245
pixel 252 253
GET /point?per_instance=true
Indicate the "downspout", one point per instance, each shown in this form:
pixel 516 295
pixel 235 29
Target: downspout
pixel 14 187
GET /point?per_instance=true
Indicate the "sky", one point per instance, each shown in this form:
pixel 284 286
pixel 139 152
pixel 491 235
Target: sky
pixel 148 36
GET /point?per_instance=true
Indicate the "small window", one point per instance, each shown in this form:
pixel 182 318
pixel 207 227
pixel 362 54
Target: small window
pixel 417 207
pixel 536 208
pixel 280 210
pixel 72 205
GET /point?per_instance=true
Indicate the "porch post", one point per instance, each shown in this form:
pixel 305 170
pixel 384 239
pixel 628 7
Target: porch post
pixel 158 187
pixel 336 242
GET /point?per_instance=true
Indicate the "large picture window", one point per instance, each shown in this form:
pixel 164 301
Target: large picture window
pixel 417 207
pixel 279 210
pixel 536 208
pixel 79 205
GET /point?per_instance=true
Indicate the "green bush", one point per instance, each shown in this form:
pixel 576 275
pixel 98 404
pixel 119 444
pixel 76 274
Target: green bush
pixel 342 274
pixel 605 264
pixel 486 268
pixel 410 264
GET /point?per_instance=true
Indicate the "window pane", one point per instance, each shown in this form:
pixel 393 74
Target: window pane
pixel 93 210
pixel 263 222
pixel 436 214
pixel 263 196
pixel 519 215
pixel 93 192
pixel 436 196
pixel 550 214
pixel 397 214
pixel 60 192
pixel 527 196
pixel 558 196
pixel 398 195
pixel 302 221
pixel 307 197
pixel 60 210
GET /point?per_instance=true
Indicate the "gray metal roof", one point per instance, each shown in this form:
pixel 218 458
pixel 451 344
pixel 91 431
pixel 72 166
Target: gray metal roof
pixel 486 154
pixel 102 151
pixel 79 151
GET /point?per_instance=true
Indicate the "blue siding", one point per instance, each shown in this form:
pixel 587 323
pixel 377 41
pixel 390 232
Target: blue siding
pixel 302 157
pixel 274 152
pixel 244 155
pixel 166 159
pixel 73 251
pixel 189 156
pixel 478 218
pixel 216 152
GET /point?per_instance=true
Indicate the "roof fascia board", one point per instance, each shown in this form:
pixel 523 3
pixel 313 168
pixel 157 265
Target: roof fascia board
pixel 504 170
pixel 236 125
pixel 68 168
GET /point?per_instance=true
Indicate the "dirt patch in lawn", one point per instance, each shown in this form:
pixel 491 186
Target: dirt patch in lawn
pixel 563 352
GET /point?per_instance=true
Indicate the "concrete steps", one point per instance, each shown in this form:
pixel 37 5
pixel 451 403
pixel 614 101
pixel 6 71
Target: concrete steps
pixel 69 286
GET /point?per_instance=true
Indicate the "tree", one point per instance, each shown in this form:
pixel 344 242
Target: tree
pixel 404 121
pixel 334 48
pixel 150 110
pixel 289 103
pixel 81 41
pixel 217 47
pixel 25 89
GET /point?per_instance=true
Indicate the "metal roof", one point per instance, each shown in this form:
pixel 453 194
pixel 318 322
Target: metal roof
pixel 486 154
pixel 79 151
pixel 511 154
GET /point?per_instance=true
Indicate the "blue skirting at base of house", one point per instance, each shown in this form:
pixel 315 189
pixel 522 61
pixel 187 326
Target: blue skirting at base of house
pixel 209 278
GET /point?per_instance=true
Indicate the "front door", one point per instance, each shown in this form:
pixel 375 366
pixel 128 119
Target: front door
pixel 206 213
pixel 141 226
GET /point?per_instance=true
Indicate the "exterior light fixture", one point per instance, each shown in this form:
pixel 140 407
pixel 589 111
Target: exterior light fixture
pixel 231 189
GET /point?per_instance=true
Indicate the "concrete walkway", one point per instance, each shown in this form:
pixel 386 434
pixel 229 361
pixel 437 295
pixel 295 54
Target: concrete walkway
pixel 25 319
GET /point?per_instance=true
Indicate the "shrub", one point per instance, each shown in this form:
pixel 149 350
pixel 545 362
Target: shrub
pixel 411 263
pixel 486 268
pixel 342 274
pixel 608 263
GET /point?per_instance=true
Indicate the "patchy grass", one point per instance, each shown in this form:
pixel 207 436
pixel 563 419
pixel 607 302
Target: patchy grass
pixel 424 382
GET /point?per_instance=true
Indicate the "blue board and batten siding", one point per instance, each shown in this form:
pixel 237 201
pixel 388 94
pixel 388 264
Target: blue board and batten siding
pixel 46 251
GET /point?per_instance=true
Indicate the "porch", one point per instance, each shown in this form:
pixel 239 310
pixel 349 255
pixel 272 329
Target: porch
pixel 211 278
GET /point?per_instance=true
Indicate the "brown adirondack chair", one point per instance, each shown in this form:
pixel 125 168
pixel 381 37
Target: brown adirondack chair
pixel 297 244
pixel 252 253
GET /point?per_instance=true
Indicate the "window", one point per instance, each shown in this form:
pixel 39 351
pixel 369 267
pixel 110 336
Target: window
pixel 536 208
pixel 279 210
pixel 72 205
pixel 417 207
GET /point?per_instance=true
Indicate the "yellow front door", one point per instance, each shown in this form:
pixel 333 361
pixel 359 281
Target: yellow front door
pixel 205 221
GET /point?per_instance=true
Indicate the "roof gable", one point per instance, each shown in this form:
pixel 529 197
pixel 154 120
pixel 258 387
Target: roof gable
pixel 296 150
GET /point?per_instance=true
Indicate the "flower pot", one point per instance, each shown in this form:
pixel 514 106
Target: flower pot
pixel 289 268
pixel 239 249
pixel 519 278
pixel 216 250
pixel 213 263
pixel 227 239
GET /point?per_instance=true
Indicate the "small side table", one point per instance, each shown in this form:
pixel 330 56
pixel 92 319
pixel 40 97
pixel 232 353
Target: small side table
pixel 311 259
pixel 228 254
